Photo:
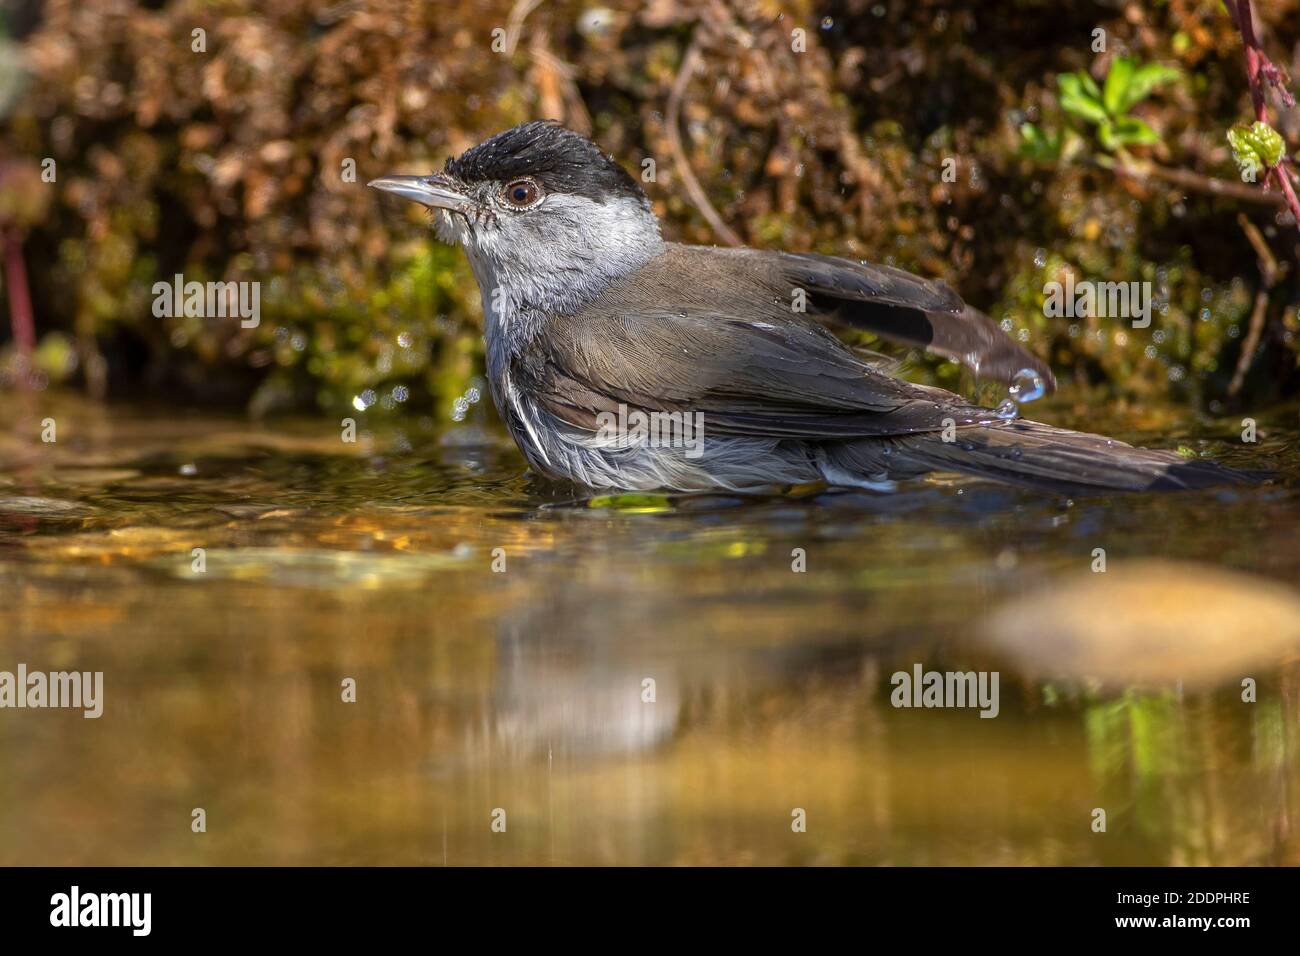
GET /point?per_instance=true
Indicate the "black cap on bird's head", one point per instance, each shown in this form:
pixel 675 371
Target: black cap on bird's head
pixel 560 159
pixel 537 159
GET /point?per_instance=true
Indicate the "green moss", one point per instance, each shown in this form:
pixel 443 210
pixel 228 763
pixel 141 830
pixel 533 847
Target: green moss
pixel 841 149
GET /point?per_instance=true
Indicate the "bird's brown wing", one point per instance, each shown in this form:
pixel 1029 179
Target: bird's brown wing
pixel 710 342
pixel 901 307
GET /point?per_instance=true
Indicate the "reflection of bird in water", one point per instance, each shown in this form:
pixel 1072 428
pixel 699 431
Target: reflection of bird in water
pixel 559 690
pixel 572 669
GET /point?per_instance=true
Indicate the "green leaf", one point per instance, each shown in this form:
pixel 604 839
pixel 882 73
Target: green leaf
pixel 1117 82
pixel 633 503
pixel 1144 80
pixel 1132 131
pixel 1068 84
pixel 1107 136
pixel 1089 85
pixel 1078 100
pixel 1129 83
pixel 1256 147
pixel 1039 145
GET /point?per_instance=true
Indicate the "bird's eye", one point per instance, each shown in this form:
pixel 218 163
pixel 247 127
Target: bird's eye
pixel 522 192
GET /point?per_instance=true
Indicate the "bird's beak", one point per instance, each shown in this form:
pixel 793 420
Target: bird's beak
pixel 434 191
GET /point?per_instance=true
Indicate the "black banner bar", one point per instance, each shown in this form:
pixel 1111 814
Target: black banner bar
pixel 334 905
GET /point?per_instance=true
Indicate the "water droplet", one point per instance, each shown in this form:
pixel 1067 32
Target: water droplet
pixel 1027 386
pixel 828 22
pixel 1008 410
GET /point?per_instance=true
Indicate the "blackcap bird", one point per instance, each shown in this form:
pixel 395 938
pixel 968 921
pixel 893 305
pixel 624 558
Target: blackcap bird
pixel 621 361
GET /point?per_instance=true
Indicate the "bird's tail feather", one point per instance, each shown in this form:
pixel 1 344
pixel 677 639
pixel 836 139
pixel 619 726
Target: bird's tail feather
pixel 1034 455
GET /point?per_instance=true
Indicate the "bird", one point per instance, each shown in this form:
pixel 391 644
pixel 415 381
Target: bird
pixel 595 325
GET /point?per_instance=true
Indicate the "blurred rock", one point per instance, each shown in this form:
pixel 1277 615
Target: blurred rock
pixel 1150 622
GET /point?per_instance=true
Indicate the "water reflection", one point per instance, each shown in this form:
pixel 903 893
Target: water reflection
pixel 525 689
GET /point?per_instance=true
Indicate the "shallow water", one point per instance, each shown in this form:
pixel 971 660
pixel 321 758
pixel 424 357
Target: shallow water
pixel 522 690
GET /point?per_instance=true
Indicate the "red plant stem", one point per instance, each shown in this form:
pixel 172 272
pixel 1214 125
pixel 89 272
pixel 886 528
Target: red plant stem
pixel 1292 202
pixel 20 299
pixel 1257 65
pixel 1246 24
